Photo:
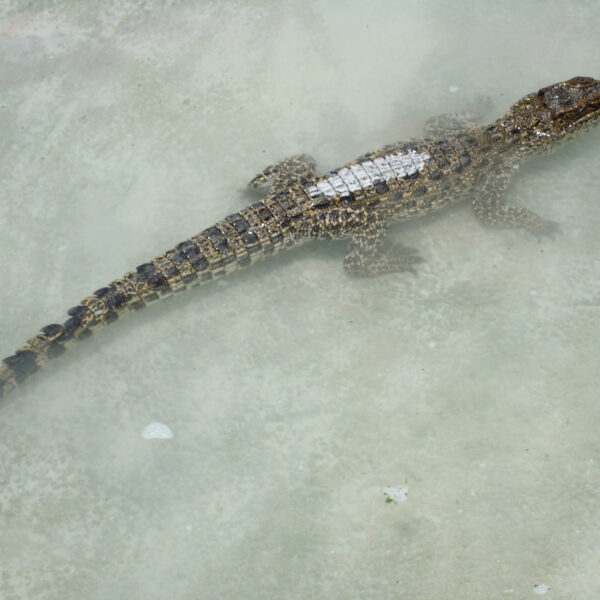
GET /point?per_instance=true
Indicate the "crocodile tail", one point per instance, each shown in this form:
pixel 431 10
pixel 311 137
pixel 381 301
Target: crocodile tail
pixel 237 241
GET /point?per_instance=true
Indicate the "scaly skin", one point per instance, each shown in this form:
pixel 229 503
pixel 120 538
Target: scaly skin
pixel 360 201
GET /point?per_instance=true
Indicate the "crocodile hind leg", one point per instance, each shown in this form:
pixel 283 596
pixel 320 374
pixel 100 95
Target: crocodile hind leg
pixel 449 123
pixel 370 253
pixel 490 206
pixel 295 170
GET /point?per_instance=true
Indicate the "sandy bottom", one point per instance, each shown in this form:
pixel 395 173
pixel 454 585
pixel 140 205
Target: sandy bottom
pixel 429 437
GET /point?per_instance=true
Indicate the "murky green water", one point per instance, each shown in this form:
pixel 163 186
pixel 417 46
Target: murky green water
pixel 295 395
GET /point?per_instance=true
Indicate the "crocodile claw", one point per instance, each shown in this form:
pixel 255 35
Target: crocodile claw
pixel 548 229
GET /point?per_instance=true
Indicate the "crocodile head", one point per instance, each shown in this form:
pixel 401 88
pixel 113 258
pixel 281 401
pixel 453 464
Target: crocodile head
pixel 539 121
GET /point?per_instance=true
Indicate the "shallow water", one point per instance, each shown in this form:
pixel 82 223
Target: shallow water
pixel 294 394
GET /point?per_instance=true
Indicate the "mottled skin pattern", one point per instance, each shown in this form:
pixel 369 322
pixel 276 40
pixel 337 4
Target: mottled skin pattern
pixel 360 201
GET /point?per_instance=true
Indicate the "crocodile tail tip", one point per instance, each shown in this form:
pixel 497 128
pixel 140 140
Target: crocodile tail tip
pixel 50 342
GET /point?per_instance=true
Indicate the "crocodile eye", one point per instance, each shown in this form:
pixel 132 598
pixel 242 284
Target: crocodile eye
pixel 579 81
pixel 563 101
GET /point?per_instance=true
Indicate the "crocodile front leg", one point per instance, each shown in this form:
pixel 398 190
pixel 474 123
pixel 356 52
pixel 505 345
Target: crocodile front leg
pixel 449 123
pixel 293 171
pixel 491 208
pixel 370 253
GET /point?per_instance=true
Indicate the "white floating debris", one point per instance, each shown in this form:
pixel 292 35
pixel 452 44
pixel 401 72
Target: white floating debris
pixel 157 431
pixel 541 588
pixel 453 89
pixel 398 493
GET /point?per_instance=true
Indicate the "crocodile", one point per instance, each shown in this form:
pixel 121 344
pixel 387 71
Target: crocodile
pixel 459 159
